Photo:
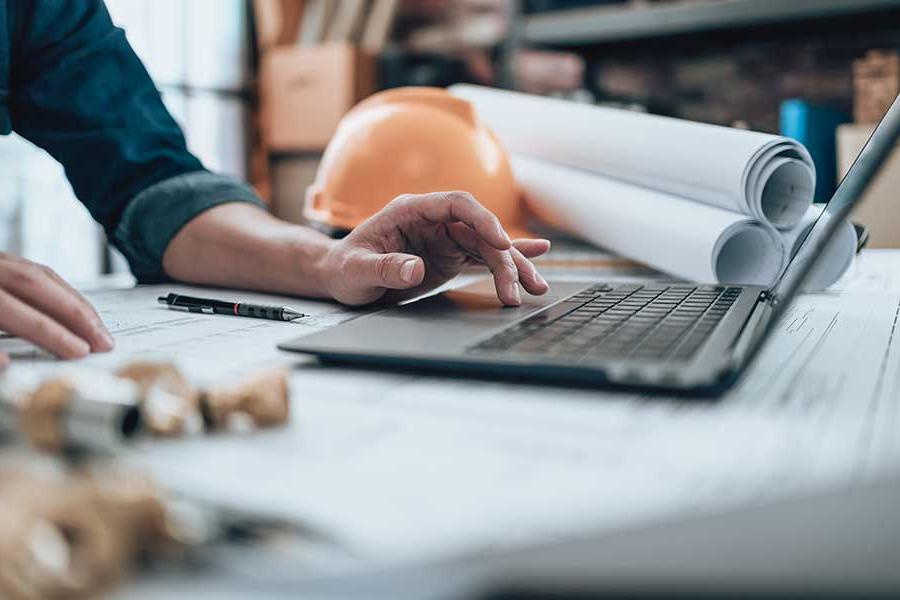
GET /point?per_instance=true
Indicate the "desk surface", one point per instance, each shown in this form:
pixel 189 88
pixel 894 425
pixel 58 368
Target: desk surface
pixel 405 467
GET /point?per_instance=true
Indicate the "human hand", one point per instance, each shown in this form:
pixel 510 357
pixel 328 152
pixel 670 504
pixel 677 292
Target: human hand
pixel 418 242
pixel 37 305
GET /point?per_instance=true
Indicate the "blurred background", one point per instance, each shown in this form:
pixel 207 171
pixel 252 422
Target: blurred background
pixel 259 85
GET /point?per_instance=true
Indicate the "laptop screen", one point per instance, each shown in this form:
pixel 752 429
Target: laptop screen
pixel 849 192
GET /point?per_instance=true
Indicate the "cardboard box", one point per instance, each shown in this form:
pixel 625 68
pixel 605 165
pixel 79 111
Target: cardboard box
pixel 880 208
pixel 876 82
pixel 304 92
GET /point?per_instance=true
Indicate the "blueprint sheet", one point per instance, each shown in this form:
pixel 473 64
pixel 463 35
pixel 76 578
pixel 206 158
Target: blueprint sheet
pixel 404 467
pixel 204 346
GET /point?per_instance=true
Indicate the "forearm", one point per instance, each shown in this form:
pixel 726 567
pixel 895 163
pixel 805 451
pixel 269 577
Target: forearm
pixel 242 246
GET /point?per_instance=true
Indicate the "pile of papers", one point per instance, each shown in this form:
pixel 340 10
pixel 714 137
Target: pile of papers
pixel 698 201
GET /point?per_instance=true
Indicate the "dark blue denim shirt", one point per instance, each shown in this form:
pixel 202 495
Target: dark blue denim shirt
pixel 70 83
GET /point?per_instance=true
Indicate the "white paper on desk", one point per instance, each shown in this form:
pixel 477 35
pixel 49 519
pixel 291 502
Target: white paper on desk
pixel 409 467
pixel 206 347
pixel 686 239
pixel 405 467
pixel 768 177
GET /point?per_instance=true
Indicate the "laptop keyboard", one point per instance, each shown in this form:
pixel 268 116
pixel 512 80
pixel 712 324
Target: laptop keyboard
pixel 654 321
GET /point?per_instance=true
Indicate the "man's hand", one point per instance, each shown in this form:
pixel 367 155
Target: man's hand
pixel 38 306
pixel 416 243
pixel 411 246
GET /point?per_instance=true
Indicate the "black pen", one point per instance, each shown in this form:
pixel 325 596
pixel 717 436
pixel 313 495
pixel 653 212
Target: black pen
pixel 237 309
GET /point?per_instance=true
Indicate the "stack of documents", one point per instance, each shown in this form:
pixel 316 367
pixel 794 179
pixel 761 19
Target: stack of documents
pixel 698 201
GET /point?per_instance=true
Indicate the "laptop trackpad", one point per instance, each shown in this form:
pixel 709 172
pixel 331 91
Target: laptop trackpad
pixel 437 325
pixel 477 304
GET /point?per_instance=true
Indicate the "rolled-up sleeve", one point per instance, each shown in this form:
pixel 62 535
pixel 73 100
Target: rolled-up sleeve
pixel 156 214
pixel 79 91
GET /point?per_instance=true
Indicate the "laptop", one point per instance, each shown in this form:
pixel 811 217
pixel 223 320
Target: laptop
pixel 675 337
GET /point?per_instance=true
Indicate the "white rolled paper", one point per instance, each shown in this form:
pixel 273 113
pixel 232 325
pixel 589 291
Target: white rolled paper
pixel 689 240
pixel 768 177
pixel 686 239
pixel 835 258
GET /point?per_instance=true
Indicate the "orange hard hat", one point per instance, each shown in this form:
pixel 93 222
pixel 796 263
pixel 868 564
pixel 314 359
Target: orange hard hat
pixel 412 140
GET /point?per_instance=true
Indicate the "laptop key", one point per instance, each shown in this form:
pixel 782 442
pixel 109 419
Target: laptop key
pixel 604 322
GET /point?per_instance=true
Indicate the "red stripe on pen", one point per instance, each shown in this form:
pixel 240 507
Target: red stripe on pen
pixel 236 304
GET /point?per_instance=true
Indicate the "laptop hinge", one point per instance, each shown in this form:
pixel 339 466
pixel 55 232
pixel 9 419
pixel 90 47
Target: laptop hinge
pixel 748 339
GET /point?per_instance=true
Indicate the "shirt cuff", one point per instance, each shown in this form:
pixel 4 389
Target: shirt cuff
pixel 157 214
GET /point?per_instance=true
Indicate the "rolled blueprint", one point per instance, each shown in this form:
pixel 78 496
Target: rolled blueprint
pixel 768 177
pixel 835 259
pixel 689 240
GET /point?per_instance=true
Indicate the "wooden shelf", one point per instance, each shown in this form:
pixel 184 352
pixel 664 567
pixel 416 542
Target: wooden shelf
pixel 614 24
